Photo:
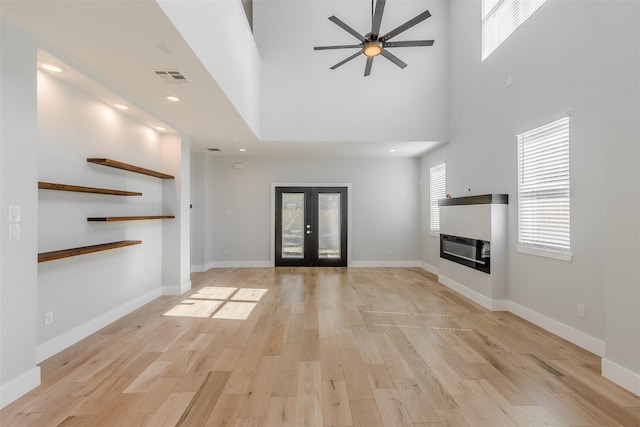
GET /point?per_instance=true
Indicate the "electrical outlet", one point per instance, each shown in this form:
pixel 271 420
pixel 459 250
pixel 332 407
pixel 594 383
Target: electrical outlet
pixel 48 318
pixel 582 311
pixel 467 190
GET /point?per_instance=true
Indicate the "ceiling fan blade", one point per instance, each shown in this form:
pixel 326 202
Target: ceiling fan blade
pixel 344 46
pixel 404 27
pixel 391 57
pixel 377 17
pixel 367 68
pixel 347 28
pixel 409 43
pixel 355 55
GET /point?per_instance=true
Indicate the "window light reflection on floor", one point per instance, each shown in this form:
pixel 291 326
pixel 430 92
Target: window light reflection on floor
pixel 226 302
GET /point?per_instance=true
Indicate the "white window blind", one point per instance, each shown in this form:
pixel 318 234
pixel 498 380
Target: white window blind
pixel 500 18
pixel 544 219
pixel 438 190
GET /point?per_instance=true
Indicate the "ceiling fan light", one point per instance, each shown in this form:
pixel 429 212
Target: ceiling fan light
pixel 372 48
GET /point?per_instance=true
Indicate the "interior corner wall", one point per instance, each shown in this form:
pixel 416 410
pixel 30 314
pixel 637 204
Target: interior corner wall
pixel 197 212
pixel 87 292
pixel 176 194
pixel 18 175
pixel 237 229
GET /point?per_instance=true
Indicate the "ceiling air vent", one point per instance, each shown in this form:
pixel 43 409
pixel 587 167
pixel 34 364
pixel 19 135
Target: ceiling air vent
pixel 214 149
pixel 171 76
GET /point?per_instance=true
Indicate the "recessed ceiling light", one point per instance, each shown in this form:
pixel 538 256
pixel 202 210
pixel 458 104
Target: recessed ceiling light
pixel 52 68
pixel 121 107
pixel 392 150
pixel 172 98
pixel 160 128
pixel 243 149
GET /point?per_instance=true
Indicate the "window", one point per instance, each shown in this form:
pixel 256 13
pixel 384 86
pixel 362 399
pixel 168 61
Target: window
pixel 500 18
pixel 438 190
pixel 544 220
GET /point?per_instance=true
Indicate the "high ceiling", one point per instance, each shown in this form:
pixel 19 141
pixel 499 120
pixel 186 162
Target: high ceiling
pixel 112 48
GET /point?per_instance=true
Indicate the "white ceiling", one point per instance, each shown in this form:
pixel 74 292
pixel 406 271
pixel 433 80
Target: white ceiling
pixel 110 48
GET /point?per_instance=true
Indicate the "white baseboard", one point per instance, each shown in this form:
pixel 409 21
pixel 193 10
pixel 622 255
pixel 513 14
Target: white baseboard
pixel 560 329
pixel 19 386
pixel 230 264
pixel 474 296
pixel 430 268
pixel 176 290
pixel 393 264
pixel 622 376
pixel 67 339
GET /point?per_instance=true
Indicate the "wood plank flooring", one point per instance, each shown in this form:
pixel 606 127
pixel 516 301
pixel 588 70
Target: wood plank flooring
pixel 322 347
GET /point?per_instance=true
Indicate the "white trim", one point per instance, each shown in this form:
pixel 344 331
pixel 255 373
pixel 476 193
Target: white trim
pixel 434 233
pixel 330 184
pixel 579 338
pixel 67 339
pixel 177 290
pixel 560 329
pixel 239 264
pixel 546 253
pixel 393 264
pixel 19 386
pixel 430 268
pixel 622 376
pixel 474 296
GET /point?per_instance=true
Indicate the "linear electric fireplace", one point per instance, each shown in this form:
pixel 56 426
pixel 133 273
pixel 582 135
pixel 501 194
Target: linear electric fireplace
pixel 463 250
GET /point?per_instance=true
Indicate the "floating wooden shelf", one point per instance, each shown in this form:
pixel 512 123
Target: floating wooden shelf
pixel 128 218
pixel 128 167
pixel 79 189
pixel 66 253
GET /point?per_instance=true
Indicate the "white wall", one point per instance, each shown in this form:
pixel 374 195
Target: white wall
pixel 71 127
pixel 385 206
pixel 557 63
pixel 18 175
pixel 219 34
pixel 303 100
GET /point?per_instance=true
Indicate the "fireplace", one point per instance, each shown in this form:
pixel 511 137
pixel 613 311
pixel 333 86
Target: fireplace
pixel 473 253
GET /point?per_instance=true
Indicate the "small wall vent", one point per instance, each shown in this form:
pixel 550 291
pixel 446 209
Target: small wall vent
pixel 214 149
pixel 171 76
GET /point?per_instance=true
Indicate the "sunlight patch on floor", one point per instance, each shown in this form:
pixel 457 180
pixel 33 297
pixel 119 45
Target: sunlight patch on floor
pixel 194 308
pixel 226 302
pixel 235 310
pixel 249 294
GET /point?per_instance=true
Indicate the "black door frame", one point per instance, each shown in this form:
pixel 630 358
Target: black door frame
pixel 311 240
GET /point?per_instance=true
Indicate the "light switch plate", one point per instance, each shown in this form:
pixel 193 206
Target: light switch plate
pixel 14 213
pixel 14 232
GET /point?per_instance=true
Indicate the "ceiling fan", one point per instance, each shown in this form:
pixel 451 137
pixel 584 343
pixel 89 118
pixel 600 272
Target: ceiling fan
pixel 373 44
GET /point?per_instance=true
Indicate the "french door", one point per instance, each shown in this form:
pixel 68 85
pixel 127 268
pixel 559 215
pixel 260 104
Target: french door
pixel 311 227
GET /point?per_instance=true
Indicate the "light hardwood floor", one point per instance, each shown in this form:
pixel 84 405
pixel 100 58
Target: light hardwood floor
pixel 332 347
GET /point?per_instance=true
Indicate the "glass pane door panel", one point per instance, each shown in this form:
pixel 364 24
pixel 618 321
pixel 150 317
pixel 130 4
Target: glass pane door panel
pixel 329 225
pixel 293 225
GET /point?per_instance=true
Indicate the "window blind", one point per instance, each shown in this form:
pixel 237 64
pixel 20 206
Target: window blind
pixel 438 190
pixel 500 18
pixel 544 219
